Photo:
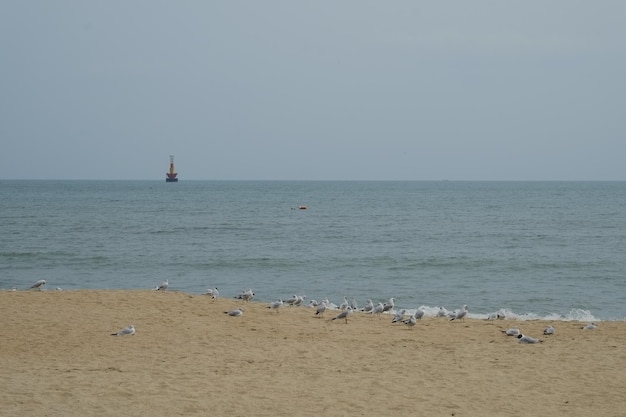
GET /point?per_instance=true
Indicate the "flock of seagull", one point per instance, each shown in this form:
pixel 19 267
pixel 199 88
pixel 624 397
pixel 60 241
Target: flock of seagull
pixel 346 309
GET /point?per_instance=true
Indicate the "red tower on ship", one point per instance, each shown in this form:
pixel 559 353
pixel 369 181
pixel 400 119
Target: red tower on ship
pixel 171 176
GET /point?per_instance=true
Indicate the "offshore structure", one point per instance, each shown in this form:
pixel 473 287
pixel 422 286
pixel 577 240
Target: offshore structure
pixel 171 176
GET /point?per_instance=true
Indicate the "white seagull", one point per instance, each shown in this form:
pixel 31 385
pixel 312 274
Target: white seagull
pixel 460 315
pixel 378 309
pixel 419 313
pixel 527 339
pixel 411 321
pixel 275 305
pixel 590 326
pixel 39 284
pixel 300 300
pixel 345 304
pixel 368 307
pixel 513 331
pixel 246 295
pixel 344 314
pixel 130 330
pixel 235 313
pixel 389 305
pixel 313 303
pixel 321 309
pixel 213 292
pixel 549 330
pixel 163 286
pixel 291 300
pixel 399 316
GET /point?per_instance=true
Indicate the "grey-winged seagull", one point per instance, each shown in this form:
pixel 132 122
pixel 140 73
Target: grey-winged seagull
pixel 130 330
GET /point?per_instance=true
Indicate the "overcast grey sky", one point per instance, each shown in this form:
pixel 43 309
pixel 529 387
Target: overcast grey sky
pixel 320 90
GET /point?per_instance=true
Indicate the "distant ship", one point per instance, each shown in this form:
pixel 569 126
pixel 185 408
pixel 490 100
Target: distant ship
pixel 171 176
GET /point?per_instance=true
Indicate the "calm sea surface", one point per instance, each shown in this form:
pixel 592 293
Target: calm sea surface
pixel 535 249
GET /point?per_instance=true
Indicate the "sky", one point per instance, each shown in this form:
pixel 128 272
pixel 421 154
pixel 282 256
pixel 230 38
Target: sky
pixel 313 90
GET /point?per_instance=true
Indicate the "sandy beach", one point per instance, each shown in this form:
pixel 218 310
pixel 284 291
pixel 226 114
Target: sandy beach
pixel 188 358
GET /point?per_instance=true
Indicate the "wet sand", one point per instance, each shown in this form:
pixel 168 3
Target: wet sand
pixel 188 358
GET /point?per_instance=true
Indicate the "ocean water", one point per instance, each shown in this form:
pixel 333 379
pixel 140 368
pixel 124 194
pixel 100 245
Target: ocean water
pixel 554 250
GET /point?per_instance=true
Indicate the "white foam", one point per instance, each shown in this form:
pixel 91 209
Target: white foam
pixel 575 314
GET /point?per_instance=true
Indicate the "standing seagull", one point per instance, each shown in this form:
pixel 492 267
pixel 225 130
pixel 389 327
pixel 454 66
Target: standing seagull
pixel 345 304
pixel 292 300
pixel 399 316
pixel 130 330
pixel 214 293
pixel 388 306
pixel 276 305
pixel 39 284
pixel 377 310
pixel 163 286
pixel 460 315
pixel 320 309
pixel 368 307
pixel 411 321
pixel 246 295
pixel 344 314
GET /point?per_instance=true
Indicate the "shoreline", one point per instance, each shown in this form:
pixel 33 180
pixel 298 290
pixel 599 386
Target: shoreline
pixel 574 315
pixel 189 358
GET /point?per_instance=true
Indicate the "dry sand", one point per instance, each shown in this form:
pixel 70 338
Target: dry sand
pixel 188 358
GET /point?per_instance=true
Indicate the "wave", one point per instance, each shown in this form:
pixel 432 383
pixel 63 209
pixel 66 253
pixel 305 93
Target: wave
pixel 575 314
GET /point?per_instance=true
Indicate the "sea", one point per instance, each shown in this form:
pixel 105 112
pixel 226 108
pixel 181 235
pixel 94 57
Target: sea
pixel 530 250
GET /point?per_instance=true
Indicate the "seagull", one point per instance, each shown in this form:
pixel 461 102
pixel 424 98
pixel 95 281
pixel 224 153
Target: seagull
pixel 442 312
pixel 275 305
pixel 345 304
pixel 460 315
pixel 214 293
pixel 377 310
pixel 399 316
pixel 344 314
pixel 368 307
pixel 590 326
pixel 419 313
pixel 354 305
pixel 411 321
pixel 513 331
pixel 527 339
pixel 388 306
pixel 300 300
pixel 549 330
pixel 129 330
pixel 291 300
pixel 246 295
pixel 39 284
pixel 163 286
pixel 235 313
pixel 321 309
